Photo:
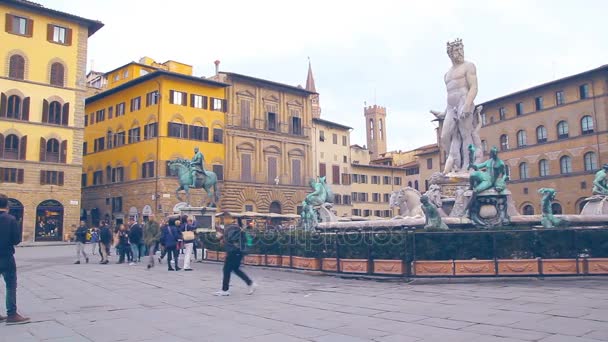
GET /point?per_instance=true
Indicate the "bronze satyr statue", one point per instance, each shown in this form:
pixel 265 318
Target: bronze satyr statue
pixel 433 219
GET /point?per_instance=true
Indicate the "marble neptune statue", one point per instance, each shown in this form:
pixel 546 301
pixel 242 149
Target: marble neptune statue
pixel 461 121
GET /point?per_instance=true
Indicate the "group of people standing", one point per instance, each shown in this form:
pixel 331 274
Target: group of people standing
pixel 134 241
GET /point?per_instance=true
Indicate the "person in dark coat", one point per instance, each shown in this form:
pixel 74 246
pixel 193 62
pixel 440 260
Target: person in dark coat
pixel 105 241
pixel 234 242
pixel 81 240
pixel 10 236
pixel 168 238
pixel 124 248
pixel 136 234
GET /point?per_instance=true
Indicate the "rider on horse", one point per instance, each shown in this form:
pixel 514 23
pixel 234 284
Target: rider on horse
pixel 197 166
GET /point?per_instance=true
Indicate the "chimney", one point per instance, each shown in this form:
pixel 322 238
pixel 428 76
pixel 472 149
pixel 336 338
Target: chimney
pixel 217 66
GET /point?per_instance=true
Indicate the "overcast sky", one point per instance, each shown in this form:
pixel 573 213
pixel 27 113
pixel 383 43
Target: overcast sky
pixel 391 53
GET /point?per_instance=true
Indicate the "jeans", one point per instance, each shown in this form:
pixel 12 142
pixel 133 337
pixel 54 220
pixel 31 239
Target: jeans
pixel 10 278
pixel 94 246
pixel 152 254
pixel 233 264
pixel 80 250
pixel 188 256
pixel 138 251
pixel 172 251
pixel 124 250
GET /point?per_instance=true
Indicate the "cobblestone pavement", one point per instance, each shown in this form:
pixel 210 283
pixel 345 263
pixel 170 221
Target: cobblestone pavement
pixel 92 302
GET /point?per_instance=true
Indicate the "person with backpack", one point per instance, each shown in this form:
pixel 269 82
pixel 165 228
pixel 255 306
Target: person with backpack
pixel 169 237
pixel 234 242
pixel 81 240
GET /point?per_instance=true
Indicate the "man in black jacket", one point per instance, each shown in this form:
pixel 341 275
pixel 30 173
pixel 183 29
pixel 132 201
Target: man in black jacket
pixel 136 234
pixel 10 236
pixel 105 240
pixel 234 240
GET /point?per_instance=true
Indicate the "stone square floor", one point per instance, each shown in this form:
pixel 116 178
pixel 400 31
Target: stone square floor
pixel 92 302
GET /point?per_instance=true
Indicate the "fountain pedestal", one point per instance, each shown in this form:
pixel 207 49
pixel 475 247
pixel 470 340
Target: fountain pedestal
pixel 490 208
pixel 596 205
pixel 204 216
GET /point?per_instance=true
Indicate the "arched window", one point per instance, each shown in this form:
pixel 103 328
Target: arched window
pixel 109 136
pixel 504 142
pixel 562 130
pixel 556 208
pixel 590 161
pixel 541 134
pixel 16 68
pixel 11 147
pixel 586 125
pixel 484 146
pixel 371 129
pixel 52 151
pixel 55 113
pixel 13 108
pixel 416 184
pixel 528 210
pixel 521 138
pixel 543 168
pixel 380 129
pixel 565 164
pixel 57 74
pixel 523 170
pixel 409 183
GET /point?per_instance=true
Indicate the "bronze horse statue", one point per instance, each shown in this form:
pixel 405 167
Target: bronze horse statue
pixel 181 167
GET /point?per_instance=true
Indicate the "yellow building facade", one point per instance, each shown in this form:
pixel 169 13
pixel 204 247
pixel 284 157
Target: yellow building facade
pixel 331 145
pixel 42 88
pixel 149 114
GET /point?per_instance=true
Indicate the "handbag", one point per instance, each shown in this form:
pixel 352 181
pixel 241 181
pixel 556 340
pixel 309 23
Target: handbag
pixel 188 235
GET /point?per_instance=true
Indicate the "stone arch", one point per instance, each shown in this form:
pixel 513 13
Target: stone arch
pixel 151 118
pixel 217 124
pixel 26 64
pixel 199 121
pixel 526 207
pixel 555 205
pixel 176 155
pixel 10 131
pixel 246 146
pixel 135 123
pixel 55 98
pixel 296 152
pixel 53 135
pixel 272 149
pixel 177 118
pixel 13 91
pixel 66 70
pixel 249 194
pixel 217 160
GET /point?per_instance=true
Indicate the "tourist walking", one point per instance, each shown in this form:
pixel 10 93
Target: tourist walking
pixel 10 236
pixel 81 240
pixel 234 242
pixel 151 240
pixel 94 239
pixel 105 241
pixel 123 245
pixel 188 235
pixel 136 235
pixel 169 237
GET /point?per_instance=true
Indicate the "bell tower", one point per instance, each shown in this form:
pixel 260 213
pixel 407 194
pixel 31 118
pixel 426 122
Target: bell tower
pixel 375 126
pixel 310 86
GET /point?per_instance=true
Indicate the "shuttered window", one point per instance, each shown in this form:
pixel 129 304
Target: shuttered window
pixel 246 167
pixel 57 74
pixel 16 68
pixel 335 174
pixel 19 25
pixel 245 113
pixel 272 170
pixel 322 170
pixel 296 171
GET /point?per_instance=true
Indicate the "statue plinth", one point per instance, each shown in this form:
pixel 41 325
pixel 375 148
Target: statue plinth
pixel 204 216
pixel 453 185
pixel 490 208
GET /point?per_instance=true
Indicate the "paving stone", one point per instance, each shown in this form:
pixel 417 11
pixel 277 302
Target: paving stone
pixel 501 331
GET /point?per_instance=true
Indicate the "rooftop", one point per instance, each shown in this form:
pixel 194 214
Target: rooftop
pixel 149 76
pixel 546 84
pixel 271 83
pixel 331 123
pixel 93 25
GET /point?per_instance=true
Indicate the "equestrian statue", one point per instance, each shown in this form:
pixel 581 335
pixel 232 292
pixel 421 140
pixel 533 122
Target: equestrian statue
pixel 191 174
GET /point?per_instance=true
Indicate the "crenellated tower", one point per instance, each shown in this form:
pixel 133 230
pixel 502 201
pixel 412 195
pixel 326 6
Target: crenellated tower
pixel 375 124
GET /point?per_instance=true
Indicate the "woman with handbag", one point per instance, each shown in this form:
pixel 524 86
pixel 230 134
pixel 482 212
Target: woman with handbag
pixel 188 236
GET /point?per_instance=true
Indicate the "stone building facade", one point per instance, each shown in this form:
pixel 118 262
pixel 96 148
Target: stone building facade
pixel 269 155
pixel 42 116
pixel 551 135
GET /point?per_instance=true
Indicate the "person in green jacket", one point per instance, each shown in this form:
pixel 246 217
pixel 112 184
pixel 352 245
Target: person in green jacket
pixel 151 239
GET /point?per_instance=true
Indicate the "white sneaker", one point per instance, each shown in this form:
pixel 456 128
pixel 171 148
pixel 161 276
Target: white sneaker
pixel 252 288
pixel 131 264
pixel 222 293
